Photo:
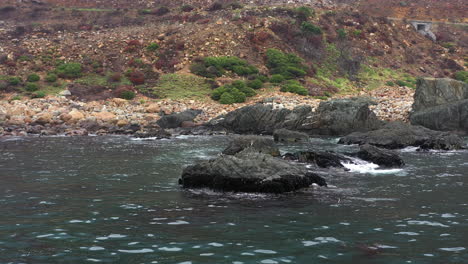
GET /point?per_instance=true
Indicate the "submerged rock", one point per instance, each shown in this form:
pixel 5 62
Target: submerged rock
pixel 397 135
pixel 254 143
pixel 285 135
pixel 249 171
pixel 381 157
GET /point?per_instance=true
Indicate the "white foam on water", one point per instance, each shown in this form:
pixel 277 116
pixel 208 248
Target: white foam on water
pixel 428 255
pixel 407 233
pixel 137 251
pixel 94 260
pixel 170 249
pixel 265 251
pixel 269 261
pixel 46 235
pixel 310 243
pixel 214 244
pixel 385 246
pixel 143 139
pixel 178 222
pixel 429 223
pixel 448 216
pixel 96 248
pixel 206 254
pixel 409 149
pixel 361 166
pixel 454 249
pixel 185 262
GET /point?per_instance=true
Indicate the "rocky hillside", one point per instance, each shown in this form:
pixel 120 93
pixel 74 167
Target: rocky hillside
pixel 135 45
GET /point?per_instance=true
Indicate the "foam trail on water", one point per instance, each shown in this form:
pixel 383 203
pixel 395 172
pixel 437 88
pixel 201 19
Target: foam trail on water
pixel 361 166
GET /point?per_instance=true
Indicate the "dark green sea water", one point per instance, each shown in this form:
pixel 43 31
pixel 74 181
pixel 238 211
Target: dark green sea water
pixel 116 200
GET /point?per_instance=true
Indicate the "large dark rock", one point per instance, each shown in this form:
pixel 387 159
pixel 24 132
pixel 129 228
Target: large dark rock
pixel 381 157
pixel 176 120
pixel 249 171
pixel 335 117
pixel 431 92
pixel 400 135
pixel 286 135
pixel 441 104
pixel 341 117
pixel 256 143
pixel 253 119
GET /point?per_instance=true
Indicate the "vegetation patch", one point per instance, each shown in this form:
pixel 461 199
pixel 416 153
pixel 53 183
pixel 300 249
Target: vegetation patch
pixel 179 86
pixel 236 92
pixel 288 65
pixel 212 67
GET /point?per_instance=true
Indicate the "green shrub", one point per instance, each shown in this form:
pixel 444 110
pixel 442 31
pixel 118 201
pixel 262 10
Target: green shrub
pixel 288 65
pixel 342 33
pixel 227 98
pixel 51 77
pixel 293 86
pixel 152 47
pixel 31 87
pixel 255 84
pixel 304 12
pixel 128 95
pixel 16 98
pixel 239 97
pixel 14 80
pixel 33 78
pixel 277 78
pixel 218 92
pixel 310 29
pixel 401 83
pixel 38 94
pixel 390 83
pixel 462 76
pixel 212 67
pixel 357 32
pixel 69 70
pixel 261 77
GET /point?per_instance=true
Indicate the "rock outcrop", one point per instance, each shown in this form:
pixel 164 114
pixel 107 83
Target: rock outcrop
pixel 286 135
pixel 335 117
pixel 441 104
pixel 249 171
pixel 321 159
pixel 178 119
pixel 254 143
pixel 381 157
pixel 397 135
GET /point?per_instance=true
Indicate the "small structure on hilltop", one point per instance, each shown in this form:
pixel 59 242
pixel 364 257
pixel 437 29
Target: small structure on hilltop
pixel 424 28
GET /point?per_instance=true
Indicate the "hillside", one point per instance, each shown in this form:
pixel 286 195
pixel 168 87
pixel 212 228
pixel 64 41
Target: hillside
pixel 351 52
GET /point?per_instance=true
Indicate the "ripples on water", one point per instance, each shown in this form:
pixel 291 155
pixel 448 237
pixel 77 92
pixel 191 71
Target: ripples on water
pixel 116 200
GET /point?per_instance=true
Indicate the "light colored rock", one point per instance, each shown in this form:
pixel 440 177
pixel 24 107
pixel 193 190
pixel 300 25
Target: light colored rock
pixel 119 101
pixel 65 93
pixel 105 116
pixel 75 116
pixel 153 108
pixel 44 118
pixel 122 123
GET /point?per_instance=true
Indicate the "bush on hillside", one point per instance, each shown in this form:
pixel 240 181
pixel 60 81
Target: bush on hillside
pixel 128 95
pixel 31 87
pixel 304 12
pixel 288 65
pixel 212 67
pixel 33 78
pixel 51 77
pixel 236 92
pixel 277 78
pixel 152 47
pixel 69 70
pixel 462 76
pixel 294 86
pixel 38 94
pixel 308 28
pixel 255 84
pixel 14 80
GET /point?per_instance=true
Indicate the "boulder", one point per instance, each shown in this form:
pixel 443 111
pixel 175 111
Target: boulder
pixel 249 171
pixel 285 135
pixel 431 92
pixel 397 135
pixel 441 104
pixel 320 158
pixel 381 157
pixel 74 116
pixel 254 143
pixel 176 120
pixel 106 117
pixel 253 119
pixel 341 117
pixel 44 118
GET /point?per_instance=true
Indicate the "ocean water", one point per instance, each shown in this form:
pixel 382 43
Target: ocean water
pixel 117 200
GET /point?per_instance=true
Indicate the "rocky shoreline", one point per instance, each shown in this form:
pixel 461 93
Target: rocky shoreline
pixel 58 115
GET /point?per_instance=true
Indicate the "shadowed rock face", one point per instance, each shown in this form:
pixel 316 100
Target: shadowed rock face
pixel 400 135
pixel 381 157
pixel 320 158
pixel 441 104
pixel 249 171
pixel 285 135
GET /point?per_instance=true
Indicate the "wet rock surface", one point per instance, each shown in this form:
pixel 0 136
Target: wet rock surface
pixel 381 157
pixel 253 143
pixel 285 135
